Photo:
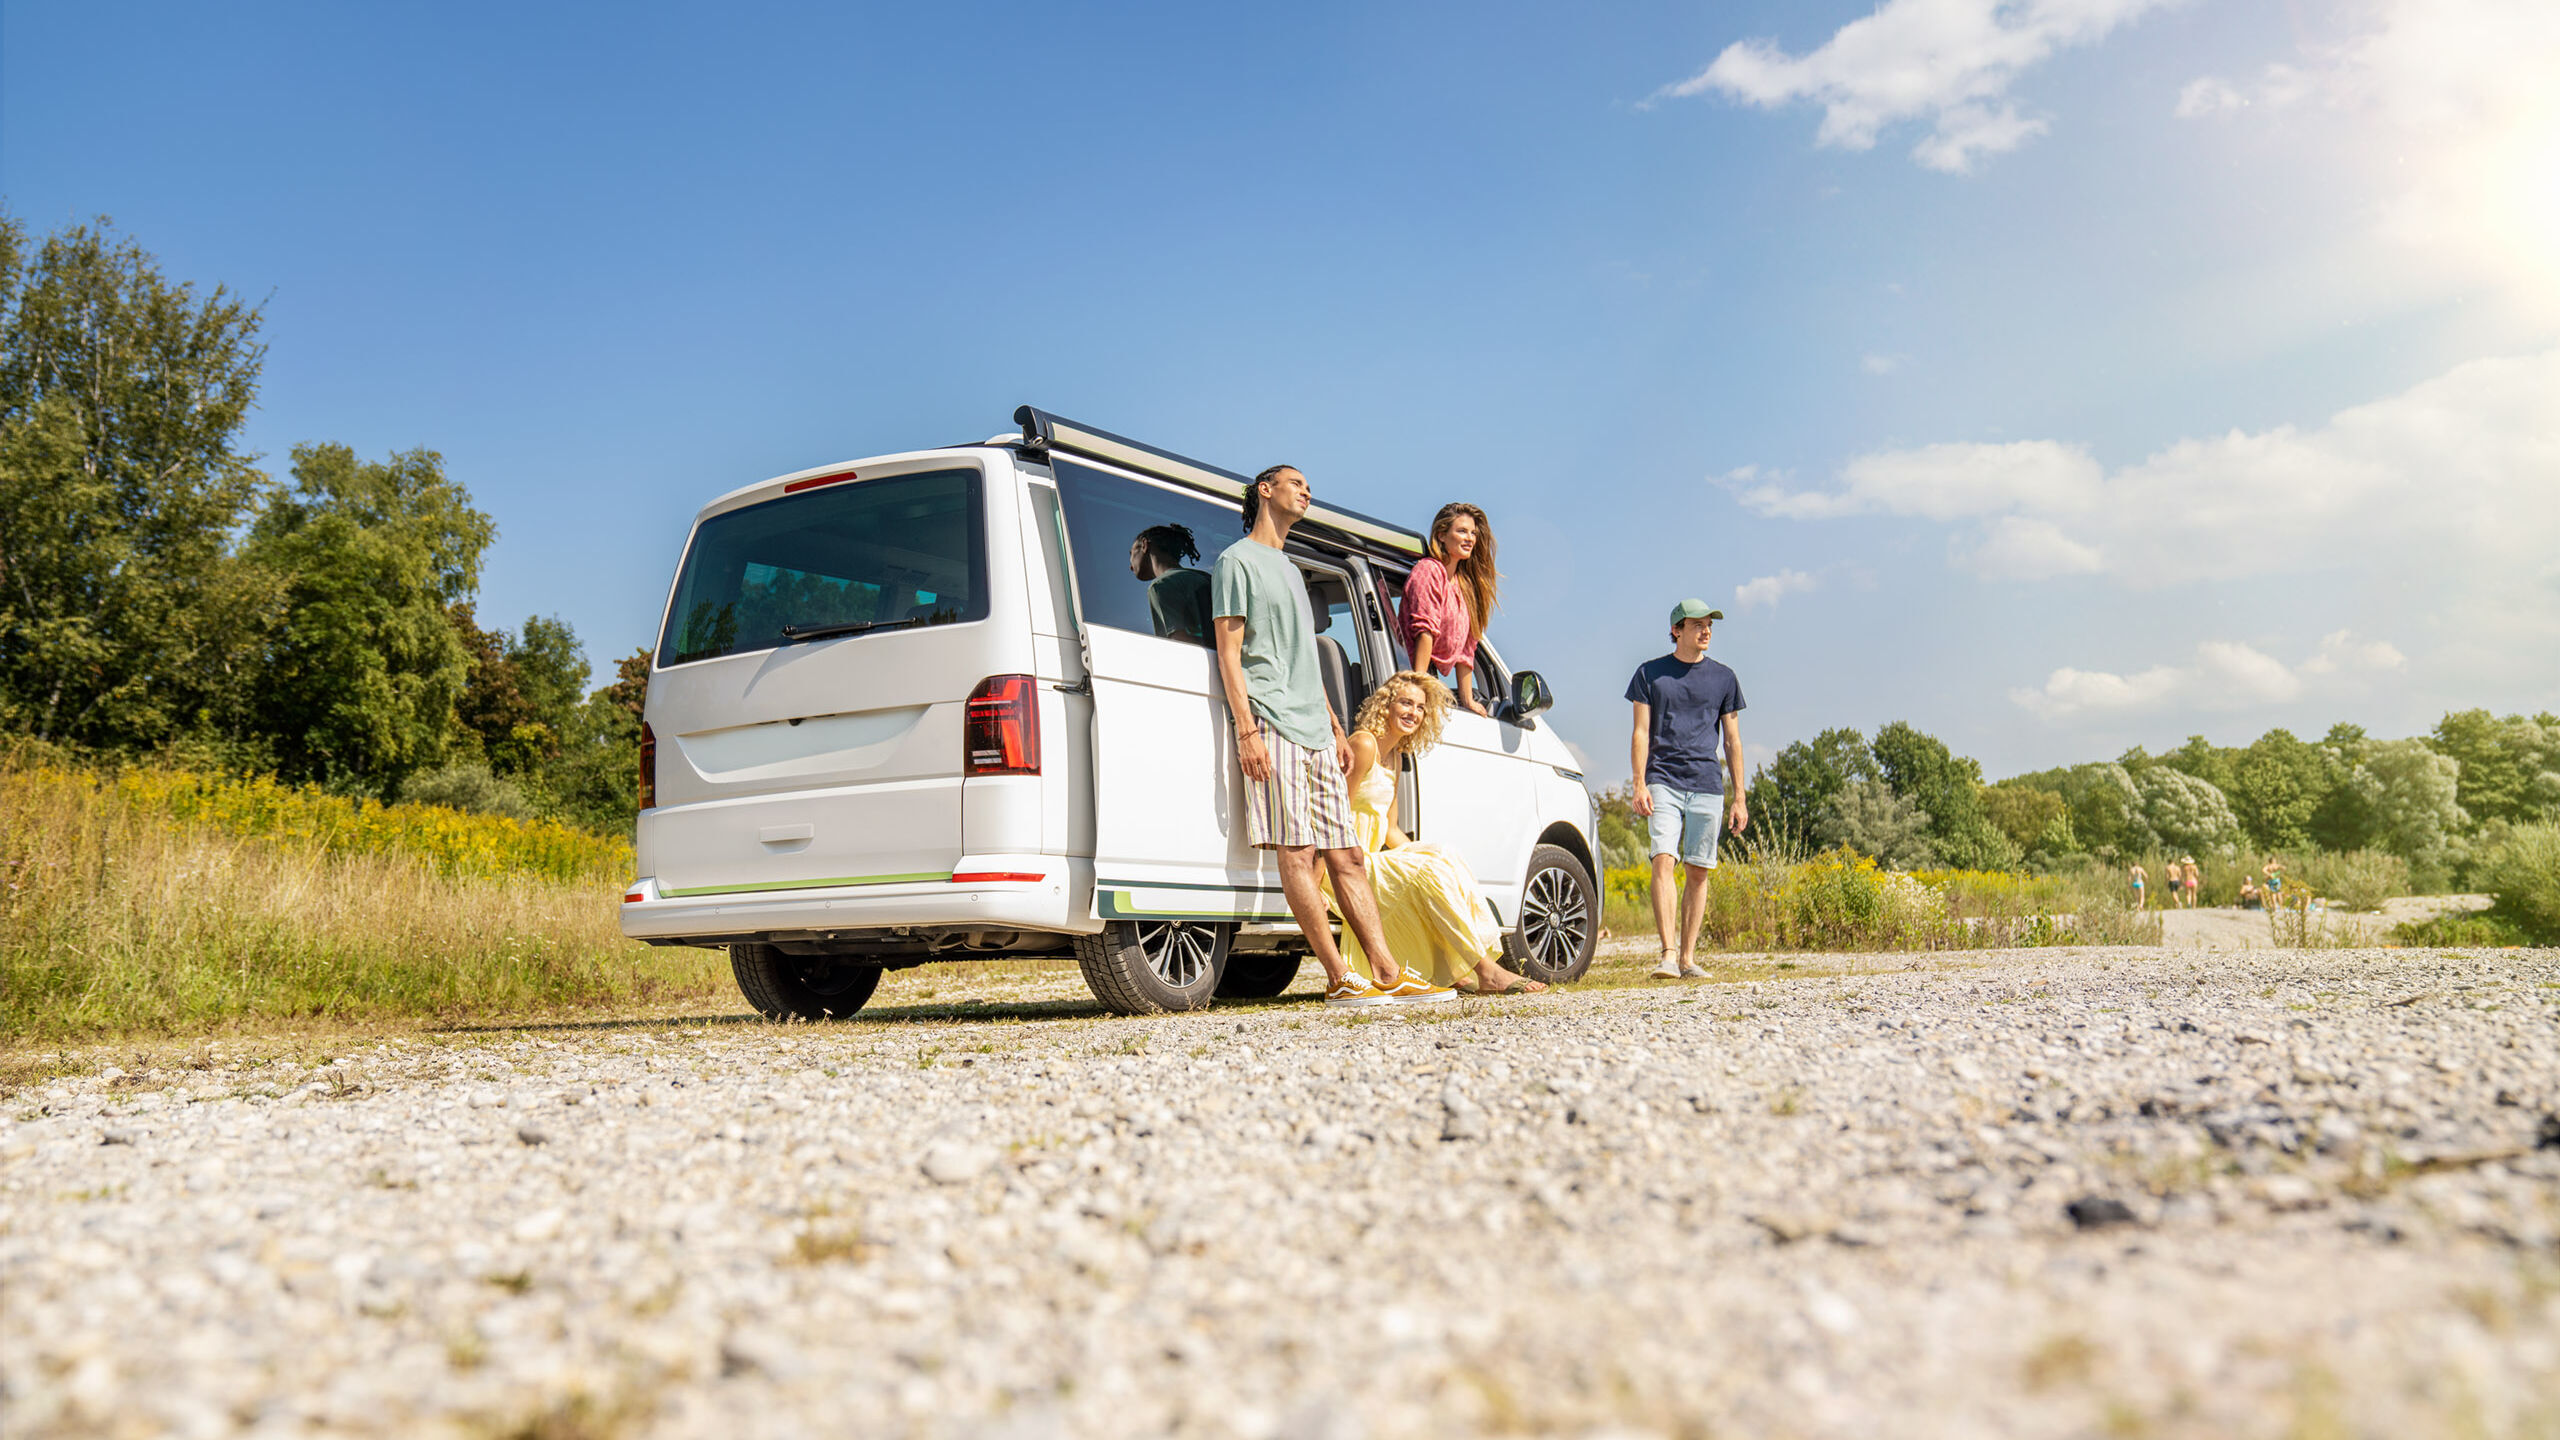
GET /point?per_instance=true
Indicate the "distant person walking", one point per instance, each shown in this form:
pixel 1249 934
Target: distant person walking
pixel 1449 598
pixel 1290 745
pixel 2141 883
pixel 1687 707
pixel 2191 883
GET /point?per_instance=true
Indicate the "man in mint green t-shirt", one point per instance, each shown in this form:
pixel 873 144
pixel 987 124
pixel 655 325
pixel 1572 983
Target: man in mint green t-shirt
pixel 1290 744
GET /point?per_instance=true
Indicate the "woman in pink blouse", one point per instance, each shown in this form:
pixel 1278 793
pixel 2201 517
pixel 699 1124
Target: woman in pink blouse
pixel 1445 603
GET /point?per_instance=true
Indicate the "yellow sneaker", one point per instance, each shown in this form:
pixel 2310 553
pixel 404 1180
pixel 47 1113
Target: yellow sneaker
pixel 1412 989
pixel 1353 990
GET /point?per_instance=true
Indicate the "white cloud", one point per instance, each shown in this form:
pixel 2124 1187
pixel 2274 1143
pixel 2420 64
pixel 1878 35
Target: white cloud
pixel 2457 477
pixel 2340 651
pixel 1950 62
pixel 2224 675
pixel 1770 589
pixel 1877 364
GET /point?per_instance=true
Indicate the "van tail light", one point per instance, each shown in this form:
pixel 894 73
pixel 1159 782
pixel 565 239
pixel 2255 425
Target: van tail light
pixel 1003 730
pixel 648 766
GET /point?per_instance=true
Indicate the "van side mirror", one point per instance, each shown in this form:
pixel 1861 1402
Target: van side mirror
pixel 1529 693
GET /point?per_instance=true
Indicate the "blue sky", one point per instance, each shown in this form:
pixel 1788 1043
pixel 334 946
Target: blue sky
pixel 2058 375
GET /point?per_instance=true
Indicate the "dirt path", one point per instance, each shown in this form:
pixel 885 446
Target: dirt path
pixel 2049 1193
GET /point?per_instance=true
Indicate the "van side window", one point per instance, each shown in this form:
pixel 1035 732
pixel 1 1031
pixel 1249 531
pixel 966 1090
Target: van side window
pixel 1391 595
pixel 1142 554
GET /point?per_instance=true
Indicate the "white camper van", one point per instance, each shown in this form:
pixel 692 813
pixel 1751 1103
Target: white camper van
pixel 920 707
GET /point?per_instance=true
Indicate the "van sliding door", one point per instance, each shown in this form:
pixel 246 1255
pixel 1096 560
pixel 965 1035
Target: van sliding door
pixel 1169 838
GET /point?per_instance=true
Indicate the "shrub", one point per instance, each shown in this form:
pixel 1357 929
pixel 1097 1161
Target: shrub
pixel 2522 869
pixel 2355 880
pixel 2479 928
pixel 471 787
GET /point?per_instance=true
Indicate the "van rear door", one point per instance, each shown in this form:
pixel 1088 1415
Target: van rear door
pixel 812 676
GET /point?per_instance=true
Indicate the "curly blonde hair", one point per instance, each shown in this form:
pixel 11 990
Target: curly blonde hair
pixel 1435 710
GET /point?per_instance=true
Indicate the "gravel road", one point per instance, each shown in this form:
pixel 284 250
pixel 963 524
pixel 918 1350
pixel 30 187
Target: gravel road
pixel 2055 1193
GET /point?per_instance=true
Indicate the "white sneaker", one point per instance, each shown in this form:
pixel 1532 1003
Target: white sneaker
pixel 1669 969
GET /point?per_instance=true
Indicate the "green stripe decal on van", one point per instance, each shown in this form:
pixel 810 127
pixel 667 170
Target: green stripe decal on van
pixel 836 882
pixel 1115 905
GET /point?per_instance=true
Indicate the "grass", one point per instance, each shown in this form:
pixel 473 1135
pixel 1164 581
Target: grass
pixel 1838 900
pixel 165 903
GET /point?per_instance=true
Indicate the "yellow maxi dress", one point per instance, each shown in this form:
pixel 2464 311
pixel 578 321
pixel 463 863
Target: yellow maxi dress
pixel 1427 900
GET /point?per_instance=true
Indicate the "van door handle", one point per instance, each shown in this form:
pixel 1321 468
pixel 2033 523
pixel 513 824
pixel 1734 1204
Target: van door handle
pixel 786 834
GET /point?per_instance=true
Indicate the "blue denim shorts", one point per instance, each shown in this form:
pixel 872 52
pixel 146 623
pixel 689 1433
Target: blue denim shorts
pixel 1686 823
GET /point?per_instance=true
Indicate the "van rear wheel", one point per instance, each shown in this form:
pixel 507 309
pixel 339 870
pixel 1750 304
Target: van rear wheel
pixel 1559 918
pixel 801 987
pixel 1149 967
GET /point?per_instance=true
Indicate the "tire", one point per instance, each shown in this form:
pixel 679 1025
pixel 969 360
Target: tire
pixel 1258 976
pixel 1559 928
pixel 796 987
pixel 1150 967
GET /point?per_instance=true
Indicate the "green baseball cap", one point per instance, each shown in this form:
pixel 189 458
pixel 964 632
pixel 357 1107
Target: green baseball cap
pixel 1693 610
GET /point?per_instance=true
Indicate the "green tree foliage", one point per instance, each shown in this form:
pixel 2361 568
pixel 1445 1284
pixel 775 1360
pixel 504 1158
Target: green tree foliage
pixel 2407 793
pixel 1792 793
pixel 1868 817
pixel 2510 767
pixel 2101 805
pixel 123 618
pixel 1921 769
pixel 522 699
pixel 596 779
pixel 366 666
pixel 2205 760
pixel 2023 813
pixel 2520 865
pixel 2187 814
pixel 2277 788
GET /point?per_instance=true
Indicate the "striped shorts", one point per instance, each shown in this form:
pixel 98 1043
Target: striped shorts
pixel 1303 803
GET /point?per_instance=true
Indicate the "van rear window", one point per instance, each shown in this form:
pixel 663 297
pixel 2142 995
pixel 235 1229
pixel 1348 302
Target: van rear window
pixel 905 548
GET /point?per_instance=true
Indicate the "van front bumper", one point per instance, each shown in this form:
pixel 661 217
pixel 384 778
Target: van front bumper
pixel 1060 901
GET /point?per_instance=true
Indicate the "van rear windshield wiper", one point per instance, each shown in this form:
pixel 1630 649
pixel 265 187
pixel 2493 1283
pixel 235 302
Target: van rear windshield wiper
pixel 846 627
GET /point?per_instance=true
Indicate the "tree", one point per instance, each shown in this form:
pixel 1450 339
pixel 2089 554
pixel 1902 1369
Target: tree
pixel 596 779
pixel 2277 788
pixel 123 618
pixel 524 691
pixel 1921 769
pixel 366 667
pixel 2023 812
pixel 1868 817
pixel 2409 792
pixel 2510 767
pixel 2204 760
pixel 1792 793
pixel 2186 813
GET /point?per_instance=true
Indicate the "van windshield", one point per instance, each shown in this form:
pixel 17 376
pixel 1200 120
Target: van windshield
pixel 900 551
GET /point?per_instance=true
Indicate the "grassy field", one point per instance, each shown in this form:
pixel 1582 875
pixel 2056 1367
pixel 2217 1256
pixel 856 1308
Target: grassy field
pixel 152 901
pixel 1841 901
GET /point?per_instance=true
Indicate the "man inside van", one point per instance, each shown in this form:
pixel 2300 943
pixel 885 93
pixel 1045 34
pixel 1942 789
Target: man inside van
pixel 1291 746
pixel 1177 596
pixel 1685 705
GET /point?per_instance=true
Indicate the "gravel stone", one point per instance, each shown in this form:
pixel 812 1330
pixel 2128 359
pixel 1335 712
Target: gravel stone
pixel 1852 1200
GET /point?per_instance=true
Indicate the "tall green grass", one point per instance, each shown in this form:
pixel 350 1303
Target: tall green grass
pixel 160 901
pixel 1838 900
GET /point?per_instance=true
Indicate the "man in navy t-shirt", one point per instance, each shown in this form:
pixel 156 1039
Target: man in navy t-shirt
pixel 1685 704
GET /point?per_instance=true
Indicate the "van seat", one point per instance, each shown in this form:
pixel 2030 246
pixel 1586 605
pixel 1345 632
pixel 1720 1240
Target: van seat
pixel 1337 677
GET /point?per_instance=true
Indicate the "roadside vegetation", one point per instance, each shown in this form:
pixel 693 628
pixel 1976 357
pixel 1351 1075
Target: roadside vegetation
pixel 153 901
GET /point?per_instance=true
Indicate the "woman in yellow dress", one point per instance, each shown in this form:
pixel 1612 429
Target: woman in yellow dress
pixel 1427 900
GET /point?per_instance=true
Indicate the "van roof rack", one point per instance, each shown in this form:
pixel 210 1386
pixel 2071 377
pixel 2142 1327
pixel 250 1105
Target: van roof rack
pixel 1044 431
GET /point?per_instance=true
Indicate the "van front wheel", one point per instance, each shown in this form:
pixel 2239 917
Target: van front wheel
pixel 1148 967
pixel 789 987
pixel 1559 918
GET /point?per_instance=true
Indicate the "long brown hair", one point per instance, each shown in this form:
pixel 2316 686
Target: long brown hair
pixel 1477 580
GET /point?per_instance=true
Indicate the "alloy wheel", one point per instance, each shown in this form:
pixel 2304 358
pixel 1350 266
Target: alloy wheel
pixel 1553 918
pixel 1180 954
